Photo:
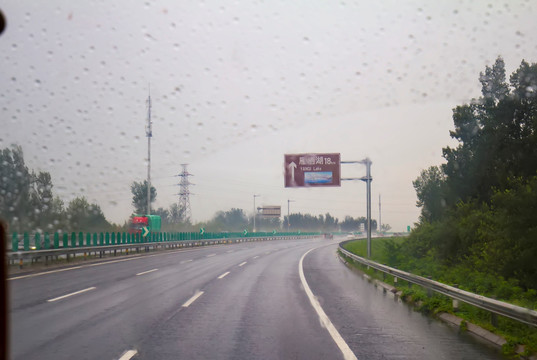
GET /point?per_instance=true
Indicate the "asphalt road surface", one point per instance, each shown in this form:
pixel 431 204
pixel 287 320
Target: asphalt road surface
pixel 264 300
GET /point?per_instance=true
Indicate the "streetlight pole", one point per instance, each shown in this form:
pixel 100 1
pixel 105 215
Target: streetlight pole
pixel 255 195
pixel 288 201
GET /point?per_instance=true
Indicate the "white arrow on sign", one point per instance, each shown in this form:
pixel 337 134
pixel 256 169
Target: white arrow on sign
pixel 145 231
pixel 292 167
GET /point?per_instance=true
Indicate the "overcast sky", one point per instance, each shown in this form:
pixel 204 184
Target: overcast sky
pixel 236 85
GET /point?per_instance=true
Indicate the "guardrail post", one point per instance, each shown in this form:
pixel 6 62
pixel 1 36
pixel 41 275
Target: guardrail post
pixel 15 242
pixel 26 241
pixel 455 302
pixel 494 319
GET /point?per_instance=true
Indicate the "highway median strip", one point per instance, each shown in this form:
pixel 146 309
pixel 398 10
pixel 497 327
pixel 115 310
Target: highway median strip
pixel 71 294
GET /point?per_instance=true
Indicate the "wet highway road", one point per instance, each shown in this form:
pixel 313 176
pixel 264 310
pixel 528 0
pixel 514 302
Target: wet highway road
pixel 244 301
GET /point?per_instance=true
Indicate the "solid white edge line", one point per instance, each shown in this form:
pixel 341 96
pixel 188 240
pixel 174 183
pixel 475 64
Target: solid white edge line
pixel 325 320
pixel 146 272
pixel 243 263
pixel 211 255
pixel 192 299
pixel 223 275
pixel 128 355
pixel 185 261
pixel 71 294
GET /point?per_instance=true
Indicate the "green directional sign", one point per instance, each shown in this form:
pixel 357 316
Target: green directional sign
pixel 273 232
pixel 145 231
pixel 202 231
pixel 408 228
pixel 245 232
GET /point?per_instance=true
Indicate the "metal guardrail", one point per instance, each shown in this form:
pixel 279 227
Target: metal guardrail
pixel 67 251
pixel 515 312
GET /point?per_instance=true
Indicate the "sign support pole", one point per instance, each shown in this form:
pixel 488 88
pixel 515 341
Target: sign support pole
pixel 367 178
pixel 368 182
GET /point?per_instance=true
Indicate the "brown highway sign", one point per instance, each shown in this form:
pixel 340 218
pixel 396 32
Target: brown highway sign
pixel 312 170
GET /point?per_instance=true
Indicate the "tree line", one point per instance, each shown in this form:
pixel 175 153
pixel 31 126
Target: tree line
pixel 479 208
pixel 28 203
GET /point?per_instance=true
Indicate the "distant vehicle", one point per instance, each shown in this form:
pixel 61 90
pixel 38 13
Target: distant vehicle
pixel 328 236
pixel 138 222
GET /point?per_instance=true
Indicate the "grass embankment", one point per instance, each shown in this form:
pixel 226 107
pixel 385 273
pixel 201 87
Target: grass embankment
pixel 386 251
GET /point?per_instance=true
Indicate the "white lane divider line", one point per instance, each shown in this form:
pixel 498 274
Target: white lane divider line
pixel 230 251
pixel 185 261
pixel 71 294
pixel 325 320
pixel 223 275
pixel 139 257
pixel 243 263
pixel 211 255
pixel 146 272
pixel 192 299
pixel 127 355
pixel 255 257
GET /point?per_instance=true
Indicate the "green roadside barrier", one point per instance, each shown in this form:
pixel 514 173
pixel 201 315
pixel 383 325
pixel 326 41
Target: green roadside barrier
pixel 26 242
pixel 37 241
pixel 47 241
pixel 15 242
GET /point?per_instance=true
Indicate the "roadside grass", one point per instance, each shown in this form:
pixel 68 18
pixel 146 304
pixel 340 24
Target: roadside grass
pixel 385 251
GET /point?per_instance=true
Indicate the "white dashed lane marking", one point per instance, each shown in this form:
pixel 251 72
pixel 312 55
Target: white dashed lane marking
pixel 71 294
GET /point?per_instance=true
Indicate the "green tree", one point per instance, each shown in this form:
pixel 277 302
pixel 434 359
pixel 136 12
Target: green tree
pixel 139 196
pixel 231 220
pixel 86 217
pixel 15 189
pixel 496 135
pixel 430 190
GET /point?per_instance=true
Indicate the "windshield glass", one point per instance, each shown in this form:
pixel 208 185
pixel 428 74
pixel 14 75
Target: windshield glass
pixel 157 122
